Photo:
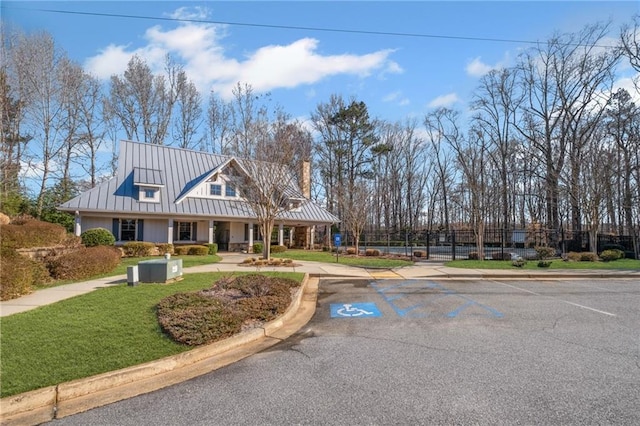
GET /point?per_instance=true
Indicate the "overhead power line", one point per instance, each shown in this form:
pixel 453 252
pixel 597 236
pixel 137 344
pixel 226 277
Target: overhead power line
pixel 291 27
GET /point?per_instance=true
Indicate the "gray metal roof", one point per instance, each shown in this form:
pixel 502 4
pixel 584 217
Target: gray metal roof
pixel 149 177
pixel 179 170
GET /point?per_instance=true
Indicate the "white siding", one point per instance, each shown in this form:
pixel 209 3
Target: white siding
pixel 155 230
pixel 237 233
pixel 88 222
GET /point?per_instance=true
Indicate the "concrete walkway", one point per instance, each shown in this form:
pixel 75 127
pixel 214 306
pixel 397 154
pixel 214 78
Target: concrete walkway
pixel 231 262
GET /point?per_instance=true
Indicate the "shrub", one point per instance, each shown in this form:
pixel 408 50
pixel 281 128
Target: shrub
pixel 198 250
pixel 574 256
pixel 473 255
pixel 351 250
pixel 278 249
pixel 611 255
pixel 138 248
pixel 498 255
pixel 84 263
pixel 587 256
pixel 420 253
pixel 518 263
pixel 18 274
pixel 372 252
pixel 545 252
pixel 195 319
pixel 257 248
pixel 326 248
pixel 25 232
pixel 164 248
pixel 97 237
pixel 544 263
pixel 213 249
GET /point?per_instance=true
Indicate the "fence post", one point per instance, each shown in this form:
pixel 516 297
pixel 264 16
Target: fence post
pixel 453 245
pixel 428 242
pixel 406 242
pixel 502 231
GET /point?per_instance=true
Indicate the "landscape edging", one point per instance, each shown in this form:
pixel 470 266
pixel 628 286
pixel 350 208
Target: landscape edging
pixel 46 404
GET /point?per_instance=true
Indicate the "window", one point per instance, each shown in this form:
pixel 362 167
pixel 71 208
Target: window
pixel 215 189
pixel 184 231
pixel 127 229
pixel 229 191
pixel 149 195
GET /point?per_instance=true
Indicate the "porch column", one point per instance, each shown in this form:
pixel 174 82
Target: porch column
pixel 281 235
pixel 77 225
pixel 212 228
pixel 170 231
pixel 251 236
pixel 292 232
pixel 312 237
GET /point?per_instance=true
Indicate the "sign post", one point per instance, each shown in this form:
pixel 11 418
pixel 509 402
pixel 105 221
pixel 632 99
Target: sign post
pixel 337 241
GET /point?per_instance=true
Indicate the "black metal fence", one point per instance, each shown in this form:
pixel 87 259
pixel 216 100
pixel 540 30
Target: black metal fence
pixel 497 243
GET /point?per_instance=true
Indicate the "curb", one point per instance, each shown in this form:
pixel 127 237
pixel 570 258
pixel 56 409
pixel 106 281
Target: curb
pixel 54 402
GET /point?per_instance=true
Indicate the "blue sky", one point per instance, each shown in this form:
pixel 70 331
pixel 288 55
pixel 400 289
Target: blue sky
pixel 396 76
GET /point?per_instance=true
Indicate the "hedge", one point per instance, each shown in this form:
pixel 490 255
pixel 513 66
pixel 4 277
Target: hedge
pixel 18 274
pixel 84 263
pixel 28 233
pixel 138 249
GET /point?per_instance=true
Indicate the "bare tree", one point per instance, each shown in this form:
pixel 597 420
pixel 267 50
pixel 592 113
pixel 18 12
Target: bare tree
pixel 143 102
pixel 189 113
pixel 36 61
pixel 219 125
pixel 266 186
pixel 355 219
pixel 434 123
pixel 496 102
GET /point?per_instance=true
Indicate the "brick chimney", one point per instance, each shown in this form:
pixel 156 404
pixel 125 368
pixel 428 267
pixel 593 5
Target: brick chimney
pixel 305 179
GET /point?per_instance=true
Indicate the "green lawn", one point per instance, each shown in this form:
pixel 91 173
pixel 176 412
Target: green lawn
pixel 121 269
pixel 621 264
pixel 101 331
pixel 327 257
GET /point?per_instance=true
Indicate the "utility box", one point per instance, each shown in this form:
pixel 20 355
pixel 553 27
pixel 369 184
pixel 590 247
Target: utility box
pixel 160 270
pixel 132 275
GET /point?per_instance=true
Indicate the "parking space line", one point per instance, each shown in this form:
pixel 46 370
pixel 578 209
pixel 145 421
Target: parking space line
pixel 555 298
pixel 440 293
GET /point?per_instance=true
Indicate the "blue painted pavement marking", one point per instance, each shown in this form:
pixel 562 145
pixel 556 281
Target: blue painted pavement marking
pixel 355 310
pixel 467 306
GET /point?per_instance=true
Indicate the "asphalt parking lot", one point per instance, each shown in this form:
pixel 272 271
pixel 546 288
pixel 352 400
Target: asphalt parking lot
pixel 427 352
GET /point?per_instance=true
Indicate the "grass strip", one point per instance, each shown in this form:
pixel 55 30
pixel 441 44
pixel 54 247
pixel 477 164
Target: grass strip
pixel 105 330
pixel 327 257
pixel 121 269
pixel 557 264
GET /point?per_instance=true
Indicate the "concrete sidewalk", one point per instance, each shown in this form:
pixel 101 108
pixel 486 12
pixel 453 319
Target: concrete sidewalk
pixel 231 263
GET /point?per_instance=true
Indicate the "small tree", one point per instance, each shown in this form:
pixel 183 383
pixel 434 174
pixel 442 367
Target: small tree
pixel 355 217
pixel 266 188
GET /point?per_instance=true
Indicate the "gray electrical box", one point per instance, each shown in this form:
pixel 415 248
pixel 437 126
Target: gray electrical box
pixel 160 270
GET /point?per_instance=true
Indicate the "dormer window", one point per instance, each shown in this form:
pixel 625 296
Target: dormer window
pixel 229 191
pixel 215 189
pixel 150 195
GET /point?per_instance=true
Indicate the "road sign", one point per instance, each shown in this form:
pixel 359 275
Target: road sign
pixel 354 310
pixel 337 240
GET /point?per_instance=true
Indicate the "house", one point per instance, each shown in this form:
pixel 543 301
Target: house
pixel 163 194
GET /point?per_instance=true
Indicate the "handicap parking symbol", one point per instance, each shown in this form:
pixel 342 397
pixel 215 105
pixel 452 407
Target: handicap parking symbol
pixel 354 310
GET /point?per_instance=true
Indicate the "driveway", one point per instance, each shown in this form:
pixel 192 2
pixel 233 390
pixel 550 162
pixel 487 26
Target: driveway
pixel 427 352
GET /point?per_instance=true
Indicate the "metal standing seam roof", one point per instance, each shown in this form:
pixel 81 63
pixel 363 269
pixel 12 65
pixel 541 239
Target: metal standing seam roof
pixel 179 170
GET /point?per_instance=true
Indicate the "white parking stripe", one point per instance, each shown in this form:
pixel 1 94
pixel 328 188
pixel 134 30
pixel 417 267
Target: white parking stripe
pixel 555 298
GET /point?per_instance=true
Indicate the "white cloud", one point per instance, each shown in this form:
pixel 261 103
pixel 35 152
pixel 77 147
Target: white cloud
pixel 200 49
pixel 477 68
pixel 630 86
pixel 444 100
pixel 396 97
